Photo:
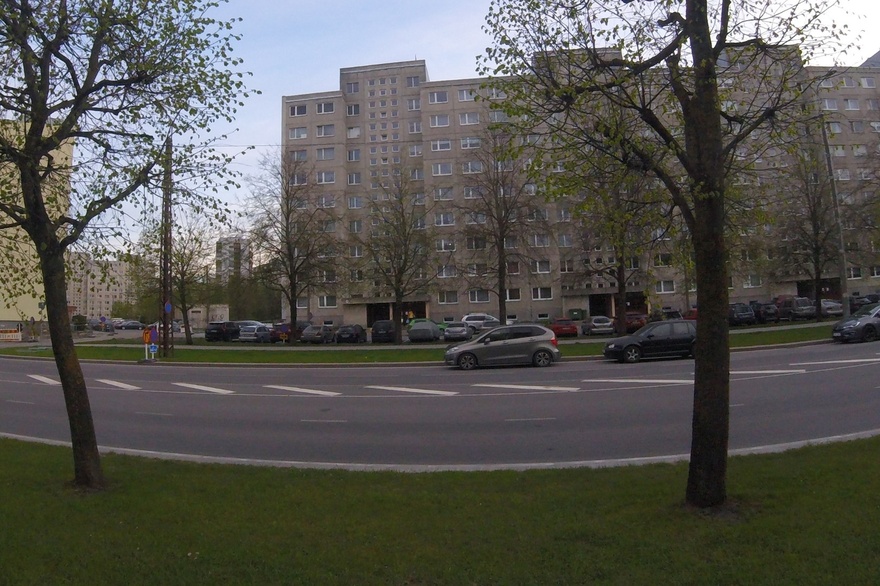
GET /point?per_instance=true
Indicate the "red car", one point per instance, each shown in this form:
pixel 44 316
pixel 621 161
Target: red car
pixel 564 327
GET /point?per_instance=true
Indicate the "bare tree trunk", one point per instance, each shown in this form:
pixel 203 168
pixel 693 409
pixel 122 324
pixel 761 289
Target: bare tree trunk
pixel 397 317
pixel 86 458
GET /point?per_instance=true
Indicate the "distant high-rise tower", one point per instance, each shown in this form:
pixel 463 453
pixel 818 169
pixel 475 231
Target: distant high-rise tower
pixel 233 258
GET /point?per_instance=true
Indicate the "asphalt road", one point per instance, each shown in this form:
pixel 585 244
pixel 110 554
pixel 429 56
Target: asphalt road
pixel 433 417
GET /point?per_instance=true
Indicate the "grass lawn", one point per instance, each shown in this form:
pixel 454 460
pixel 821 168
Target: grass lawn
pixel 234 352
pixel 810 516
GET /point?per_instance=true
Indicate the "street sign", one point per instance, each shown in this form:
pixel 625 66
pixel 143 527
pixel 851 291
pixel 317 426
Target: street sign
pixel 168 307
pixel 147 336
pixel 153 348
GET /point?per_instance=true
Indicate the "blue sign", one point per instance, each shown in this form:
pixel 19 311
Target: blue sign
pixel 168 307
pixel 153 348
pixel 154 335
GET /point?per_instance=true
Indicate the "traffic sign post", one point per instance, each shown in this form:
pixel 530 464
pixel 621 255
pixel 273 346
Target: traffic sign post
pixel 150 337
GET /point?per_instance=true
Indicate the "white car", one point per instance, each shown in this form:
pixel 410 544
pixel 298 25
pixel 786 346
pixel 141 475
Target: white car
pixel 479 322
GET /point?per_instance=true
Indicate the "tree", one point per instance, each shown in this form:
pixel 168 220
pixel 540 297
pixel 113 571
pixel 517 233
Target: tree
pixel 696 85
pixel 112 79
pixel 290 223
pixel 399 248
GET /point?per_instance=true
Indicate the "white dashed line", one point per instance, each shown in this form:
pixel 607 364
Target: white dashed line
pixel 119 385
pixel 204 388
pixel 799 371
pixel 528 387
pixel 410 390
pixel 531 419
pixel 647 381
pixel 20 402
pixel 44 379
pixel 302 390
pixel 323 421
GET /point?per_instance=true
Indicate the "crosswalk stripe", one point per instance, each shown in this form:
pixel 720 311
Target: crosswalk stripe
pixel 204 388
pixel 119 385
pixel 528 387
pixel 302 390
pixel 44 379
pixel 410 390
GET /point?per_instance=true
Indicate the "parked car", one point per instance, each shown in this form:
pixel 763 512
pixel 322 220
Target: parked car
pixel 598 325
pixel 831 308
pixel 516 344
pixel 131 324
pixel 158 326
pixel 382 331
pixel 562 326
pixel 439 324
pixel 316 334
pixel 249 322
pixel 424 331
pixel 480 322
pixel 287 332
pixel 259 334
pixel 657 339
pixel 764 312
pixel 863 325
pixel 740 314
pixel 101 326
pixel 222 331
pixel 351 333
pixel 635 320
pixel 457 331
pixel 690 314
pixel 792 308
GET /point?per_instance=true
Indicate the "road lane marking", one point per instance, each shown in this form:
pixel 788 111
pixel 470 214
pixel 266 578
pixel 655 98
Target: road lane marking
pixel 204 388
pixel 411 390
pixel 302 390
pixel 647 381
pixel 45 379
pixel 851 361
pixel 323 421
pixel 527 387
pixel 797 371
pixel 119 385
pixel 20 402
pixel 154 414
pixel 531 419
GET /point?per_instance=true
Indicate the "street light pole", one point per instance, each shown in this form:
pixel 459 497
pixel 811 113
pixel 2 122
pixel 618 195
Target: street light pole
pixel 841 246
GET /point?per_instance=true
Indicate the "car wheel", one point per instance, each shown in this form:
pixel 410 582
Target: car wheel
pixel 870 334
pixel 467 361
pixel 542 358
pixel 632 354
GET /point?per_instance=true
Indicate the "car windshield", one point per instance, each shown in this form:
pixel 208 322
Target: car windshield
pixel 867 309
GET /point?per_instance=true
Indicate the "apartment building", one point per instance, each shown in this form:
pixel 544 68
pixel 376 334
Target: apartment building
pixel 390 119
pixel 94 287
pixel 233 257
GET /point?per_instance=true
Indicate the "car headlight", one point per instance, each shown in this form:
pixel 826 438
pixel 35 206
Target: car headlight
pixel 452 350
pixel 611 346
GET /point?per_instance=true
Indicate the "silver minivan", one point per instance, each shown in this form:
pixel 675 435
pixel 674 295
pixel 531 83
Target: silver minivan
pixel 516 344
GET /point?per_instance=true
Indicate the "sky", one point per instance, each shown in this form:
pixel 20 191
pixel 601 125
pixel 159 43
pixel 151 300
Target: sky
pixel 298 46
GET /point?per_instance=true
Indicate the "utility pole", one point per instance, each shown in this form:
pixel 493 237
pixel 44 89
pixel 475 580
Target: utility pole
pixel 167 307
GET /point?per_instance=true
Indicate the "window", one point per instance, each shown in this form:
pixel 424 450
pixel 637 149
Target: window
pixel 446 272
pixel 356 226
pixel 837 150
pixel 564 240
pixel 417 174
pixel 859 150
pixel 328 226
pixel 413 81
pixel 541 293
pixel 352 87
pixel 540 267
pixel 539 240
pixel 354 154
pixel 468 118
pixel 438 120
pixel 857 126
pixel 327 201
pixel 441 169
pixel 849 82
pixel 472 192
pixel 443 144
pixel 472 167
pixel 476 243
pixel 355 202
pixel 513 267
pixel 326 154
pixel 326 177
pixel 875 271
pixel 444 219
pixel 851 104
pixel 445 245
pixel 353 132
pixel 664 287
pixel 447 297
pixel 325 130
pixel 478 296
pixel 325 107
pixel 513 294
pixel 854 272
pixel 438 97
pixel 753 281
pixel 842 174
pixel 297 133
pixel 537 215
pixel 354 178
pixel 867 82
pixel 510 242
pixel 415 127
pixel 302 302
pixel 872 104
pixel 327 301
pixel 298 110
pixel 833 127
pixel 632 263
pixel 476 218
pixel 443 193
pixel 356 251
pixel 418 199
pixel 875 126
pixel 566 266
pixel 829 104
pixel 477 269
pixel 415 150
pixel 298 179
pixel 470 142
pixel 498 116
pixel 301 155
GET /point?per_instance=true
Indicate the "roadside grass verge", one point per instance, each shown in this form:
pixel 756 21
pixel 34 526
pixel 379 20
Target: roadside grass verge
pixel 233 352
pixel 809 516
